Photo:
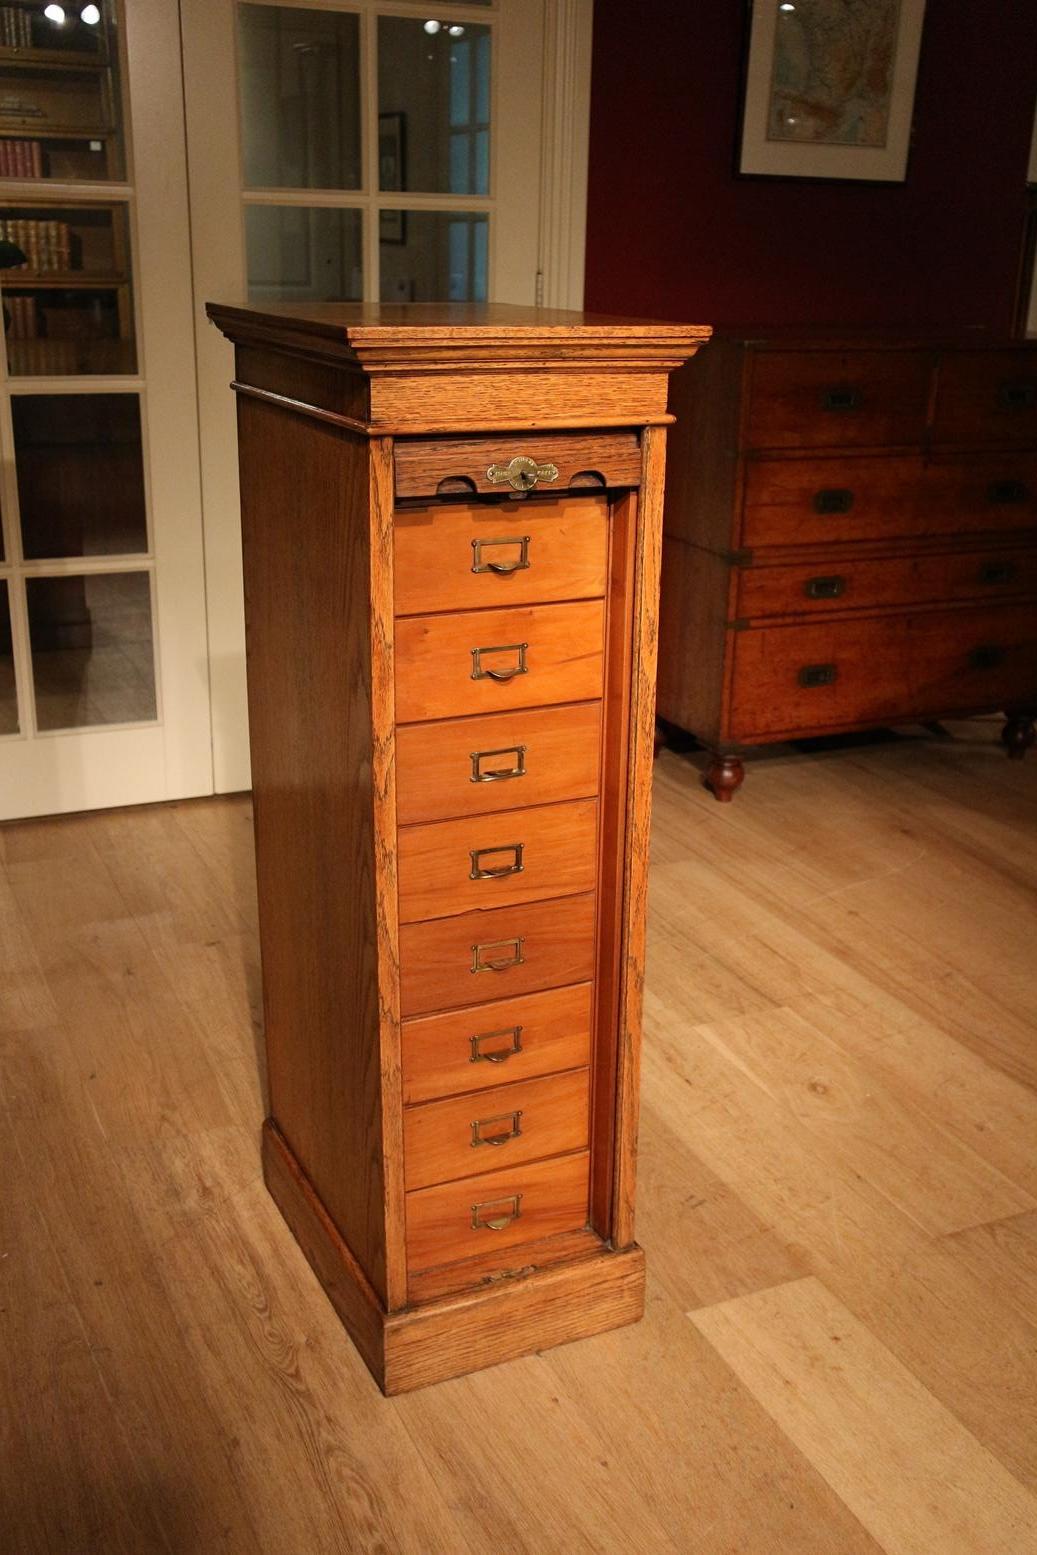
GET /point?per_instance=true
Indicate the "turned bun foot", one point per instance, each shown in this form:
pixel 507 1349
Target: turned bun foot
pixel 1018 735
pixel 724 775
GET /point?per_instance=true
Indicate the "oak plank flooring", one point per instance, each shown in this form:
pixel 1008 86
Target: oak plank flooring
pixel 837 1137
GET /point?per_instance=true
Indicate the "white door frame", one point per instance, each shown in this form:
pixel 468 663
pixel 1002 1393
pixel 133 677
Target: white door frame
pixel 541 86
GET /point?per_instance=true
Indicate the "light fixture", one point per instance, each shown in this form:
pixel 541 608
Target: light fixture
pixel 55 14
pixel 786 5
pixel 90 14
pixel 433 27
pixel 456 32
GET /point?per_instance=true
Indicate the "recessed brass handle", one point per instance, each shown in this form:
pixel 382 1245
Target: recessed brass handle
pixel 812 675
pixel 499 1055
pixel 502 568
pixel 841 397
pixel 833 587
pixel 986 657
pixel 513 1131
pixel 1017 396
pixel 1004 493
pixel 996 572
pixel 500 871
pixel 481 964
pixel 498 774
pixel 481 672
pixel 833 499
pixel 483 1222
pixel 521 473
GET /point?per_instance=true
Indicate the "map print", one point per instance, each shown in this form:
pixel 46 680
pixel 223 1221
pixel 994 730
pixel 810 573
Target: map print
pixel 833 71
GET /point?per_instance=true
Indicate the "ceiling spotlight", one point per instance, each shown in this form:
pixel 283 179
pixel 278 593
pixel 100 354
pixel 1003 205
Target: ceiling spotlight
pixel 55 14
pixel 456 32
pixel 433 27
pixel 90 14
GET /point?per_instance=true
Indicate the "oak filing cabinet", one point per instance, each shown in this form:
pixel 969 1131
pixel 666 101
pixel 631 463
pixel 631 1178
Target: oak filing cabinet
pixel 451 530
pixel 851 537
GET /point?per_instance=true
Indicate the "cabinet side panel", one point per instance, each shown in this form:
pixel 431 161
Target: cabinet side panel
pixel 693 638
pixel 307 566
pixel 702 463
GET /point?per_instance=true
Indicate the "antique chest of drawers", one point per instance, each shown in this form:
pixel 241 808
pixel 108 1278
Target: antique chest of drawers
pixel 850 539
pixel 451 532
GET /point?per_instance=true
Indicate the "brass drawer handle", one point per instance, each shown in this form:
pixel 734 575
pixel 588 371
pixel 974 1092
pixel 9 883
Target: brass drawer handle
pixel 833 499
pixel 481 1222
pixel 812 675
pixel 986 657
pixel 480 964
pixel 1004 493
pixel 519 668
pixel 521 473
pixel 514 1130
pixel 498 774
pixel 522 541
pixel 841 397
pixel 1017 396
pixel 499 1055
pixel 514 868
pixel 825 588
pixel 996 572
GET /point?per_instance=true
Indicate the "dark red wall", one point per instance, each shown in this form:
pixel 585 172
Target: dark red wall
pixel 672 233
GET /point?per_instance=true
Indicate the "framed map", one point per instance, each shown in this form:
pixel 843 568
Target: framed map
pixel 829 88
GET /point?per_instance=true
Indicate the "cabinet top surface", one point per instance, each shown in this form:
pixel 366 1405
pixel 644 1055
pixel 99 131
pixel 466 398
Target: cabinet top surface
pixel 355 328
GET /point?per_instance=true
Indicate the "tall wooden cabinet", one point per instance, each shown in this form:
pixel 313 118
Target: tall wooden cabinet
pixel 452 525
pixel 851 537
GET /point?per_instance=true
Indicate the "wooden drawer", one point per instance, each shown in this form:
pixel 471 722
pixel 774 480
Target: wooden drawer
pixel 801 679
pixel 504 1127
pixel 444 964
pixel 986 397
pixel 833 501
pixel 833 399
pixel 471 766
pixel 552 653
pixel 833 585
pixel 450 1222
pixel 447 555
pixel 509 1039
pixel 460 464
pixel 487 861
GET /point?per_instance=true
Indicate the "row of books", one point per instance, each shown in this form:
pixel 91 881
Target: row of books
pixel 47 245
pixel 22 313
pixel 21 159
pixel 15 27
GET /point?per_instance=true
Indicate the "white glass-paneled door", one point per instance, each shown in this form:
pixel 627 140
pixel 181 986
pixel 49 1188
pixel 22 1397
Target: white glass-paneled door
pixel 365 150
pixel 103 659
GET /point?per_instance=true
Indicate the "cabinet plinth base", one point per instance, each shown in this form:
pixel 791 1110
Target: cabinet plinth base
pixel 459 1333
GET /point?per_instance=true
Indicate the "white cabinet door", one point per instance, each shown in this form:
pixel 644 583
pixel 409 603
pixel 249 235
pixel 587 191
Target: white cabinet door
pixel 104 696
pixel 366 151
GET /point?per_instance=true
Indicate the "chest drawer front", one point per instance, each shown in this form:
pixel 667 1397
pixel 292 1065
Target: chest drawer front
pixel 798 679
pixel 449 963
pixel 508 1039
pixel 497 860
pixel 469 1135
pixel 497 1210
pixel 489 661
pixel 465 557
pixel 832 399
pixel 986 397
pixel 455 465
pixel 472 766
pixel 821 587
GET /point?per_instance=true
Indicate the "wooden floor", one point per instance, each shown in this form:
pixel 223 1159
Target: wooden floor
pixel 838 1199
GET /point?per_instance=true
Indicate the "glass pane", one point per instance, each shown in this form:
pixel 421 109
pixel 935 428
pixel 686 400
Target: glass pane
pixel 80 474
pixel 92 655
pixel 433 256
pixel 433 106
pixel 59 93
pixel 66 287
pixel 300 97
pixel 8 694
pixel 299 254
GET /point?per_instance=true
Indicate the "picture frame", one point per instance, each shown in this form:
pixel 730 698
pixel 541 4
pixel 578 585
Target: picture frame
pixel 829 89
pixel 392 150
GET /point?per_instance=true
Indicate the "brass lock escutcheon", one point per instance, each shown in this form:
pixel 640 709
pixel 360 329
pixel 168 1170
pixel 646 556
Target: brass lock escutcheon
pixel 513 1130
pixel 501 1213
pixel 521 473
pixel 499 1055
